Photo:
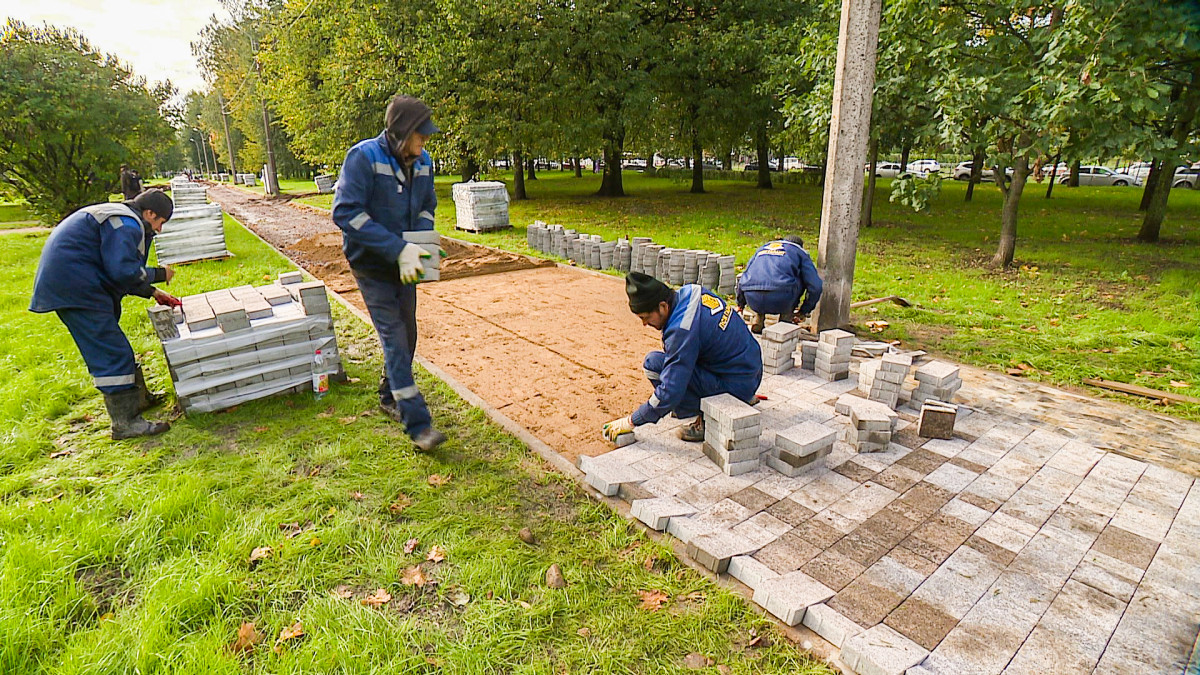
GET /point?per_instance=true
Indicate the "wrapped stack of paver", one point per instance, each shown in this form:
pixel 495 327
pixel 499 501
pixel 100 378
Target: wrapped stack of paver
pixel 192 233
pixel 798 448
pixel 187 193
pixel 882 379
pixel 710 273
pixel 937 419
pixel 727 282
pixel 779 342
pixel 832 361
pixel 731 434
pixel 324 184
pixel 235 345
pixel 936 380
pixel 870 429
pixel 431 241
pixel 481 206
pixel 247 179
pixel 808 355
pixel 622 255
pixel 635 256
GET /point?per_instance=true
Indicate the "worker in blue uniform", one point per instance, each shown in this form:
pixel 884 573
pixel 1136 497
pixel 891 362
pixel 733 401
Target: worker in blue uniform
pixel 385 189
pixel 779 275
pixel 707 350
pixel 92 259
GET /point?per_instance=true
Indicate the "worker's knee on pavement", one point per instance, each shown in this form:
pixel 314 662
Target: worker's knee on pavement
pixel 653 365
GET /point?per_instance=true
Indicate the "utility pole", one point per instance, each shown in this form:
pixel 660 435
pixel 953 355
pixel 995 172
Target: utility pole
pixel 849 130
pixel 212 152
pixel 272 177
pixel 228 139
pixel 200 150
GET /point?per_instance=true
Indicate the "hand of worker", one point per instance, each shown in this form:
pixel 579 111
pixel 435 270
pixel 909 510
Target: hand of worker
pixel 170 273
pixel 165 298
pixel 411 269
pixel 617 427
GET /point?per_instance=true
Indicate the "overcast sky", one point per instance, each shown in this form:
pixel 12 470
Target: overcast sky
pixel 153 37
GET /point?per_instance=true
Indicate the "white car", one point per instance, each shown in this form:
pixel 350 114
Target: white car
pixel 1102 175
pixel 1186 178
pixel 924 167
pixel 886 170
pixel 963 172
pixel 1139 171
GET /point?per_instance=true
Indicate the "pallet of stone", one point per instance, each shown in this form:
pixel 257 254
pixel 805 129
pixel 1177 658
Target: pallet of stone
pixel 779 342
pixel 481 206
pixel 324 183
pixel 870 429
pixel 798 448
pixel 731 434
pixel 234 345
pixel 186 193
pixel 431 241
pixel 678 265
pixel 937 419
pixel 882 379
pixel 608 252
pixel 650 253
pixel 247 179
pixel 936 380
pixel 806 357
pixel 832 361
pixel 193 233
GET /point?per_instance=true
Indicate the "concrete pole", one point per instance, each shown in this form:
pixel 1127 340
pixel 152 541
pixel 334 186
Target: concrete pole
pixel 849 131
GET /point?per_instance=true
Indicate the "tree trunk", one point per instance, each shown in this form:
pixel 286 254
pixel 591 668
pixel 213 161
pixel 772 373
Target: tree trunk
pixel 869 193
pixel 1073 178
pixel 764 159
pixel 531 163
pixel 1156 210
pixel 687 163
pixel 1053 174
pixel 727 161
pixel 782 160
pixel 1008 213
pixel 578 168
pixel 697 166
pixel 610 183
pixel 470 168
pixel 904 153
pixel 976 173
pixel 1151 183
pixel 518 176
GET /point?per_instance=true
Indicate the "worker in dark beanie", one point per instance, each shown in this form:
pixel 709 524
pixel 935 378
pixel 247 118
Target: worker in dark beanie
pixel 707 350
pixel 92 259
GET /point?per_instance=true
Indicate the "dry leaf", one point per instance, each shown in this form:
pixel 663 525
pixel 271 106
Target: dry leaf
pixel 378 598
pixel 348 420
pixel 315 471
pixel 247 637
pixel 260 553
pixel 437 480
pixel 695 661
pixel 357 496
pixel 524 604
pixel 436 554
pixel 315 542
pixel 583 632
pixel 342 592
pixel 107 616
pixel 413 576
pixel 411 545
pixel 457 597
pixel 293 631
pixel 259 430
pixel 402 502
pixel 649 564
pixel 61 453
pixel 1178 384
pixel 652 601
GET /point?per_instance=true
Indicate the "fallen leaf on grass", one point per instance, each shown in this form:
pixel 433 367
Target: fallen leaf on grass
pixel 259 430
pixel 402 502
pixel 51 498
pixel 61 453
pixel 378 598
pixel 411 545
pixel 652 601
pixel 348 420
pixel 315 542
pixel 696 661
pixel 291 632
pixel 414 576
pixel 314 472
pixel 457 597
pixel 357 496
pixel 437 480
pixel 342 592
pixel 436 554
pixel 1178 384
pixel 260 553
pixel 694 596
pixel 649 564
pixel 107 616
pixel 247 637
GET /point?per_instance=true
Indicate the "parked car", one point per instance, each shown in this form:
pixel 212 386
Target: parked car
pixel 635 164
pixel 924 167
pixel 887 170
pixel 1186 177
pixel 1139 171
pixel 1102 175
pixel 963 172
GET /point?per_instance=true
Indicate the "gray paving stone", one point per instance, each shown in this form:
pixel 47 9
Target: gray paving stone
pixel 761 529
pixel 966 512
pixel 880 650
pixel 958 583
pixel 720 516
pixel 712 490
pixel 988 636
pixel 1075 457
pixel 714 549
pixel 607 477
pixel 830 624
pixel 656 513
pixel 671 484
pixel 787 596
pixel 1071 635
pixel 1155 634
pixel 951 477
pixel 946 447
pixel 863 501
pixel 1108 575
pixel 823 491
pixel 749 571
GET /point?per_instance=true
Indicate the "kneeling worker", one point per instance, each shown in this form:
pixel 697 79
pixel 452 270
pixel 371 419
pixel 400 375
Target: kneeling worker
pixel 707 350
pixel 778 275
pixel 91 260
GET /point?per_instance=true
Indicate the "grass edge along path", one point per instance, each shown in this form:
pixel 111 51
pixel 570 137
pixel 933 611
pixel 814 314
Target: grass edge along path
pixel 135 556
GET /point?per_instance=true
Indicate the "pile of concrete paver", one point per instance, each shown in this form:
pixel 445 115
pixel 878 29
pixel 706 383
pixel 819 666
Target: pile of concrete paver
pixel 193 233
pixel 674 266
pixel 234 345
pixel 325 183
pixel 481 206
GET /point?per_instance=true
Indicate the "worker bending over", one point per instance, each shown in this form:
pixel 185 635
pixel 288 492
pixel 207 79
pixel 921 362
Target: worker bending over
pixel 778 275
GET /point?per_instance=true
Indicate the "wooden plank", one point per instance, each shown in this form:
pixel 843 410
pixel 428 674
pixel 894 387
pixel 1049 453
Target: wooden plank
pixel 1138 390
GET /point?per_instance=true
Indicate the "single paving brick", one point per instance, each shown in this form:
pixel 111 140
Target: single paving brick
pixel 833 569
pixel 754 499
pixel 1126 546
pixel 911 560
pixel 830 624
pixel 864 602
pixel 996 553
pixel 925 549
pixel 898 478
pixel 944 531
pixel 787 553
pixel 818 533
pixel 789 595
pixel 749 571
pixel 922 623
pixel 855 471
pixel 790 512
pixel 922 461
pixel 1072 634
pixel 881 651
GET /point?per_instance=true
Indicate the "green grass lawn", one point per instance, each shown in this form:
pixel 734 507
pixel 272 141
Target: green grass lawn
pixel 16 214
pixel 124 557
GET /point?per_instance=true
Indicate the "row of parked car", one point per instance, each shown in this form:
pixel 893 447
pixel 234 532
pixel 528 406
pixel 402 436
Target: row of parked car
pixel 1090 174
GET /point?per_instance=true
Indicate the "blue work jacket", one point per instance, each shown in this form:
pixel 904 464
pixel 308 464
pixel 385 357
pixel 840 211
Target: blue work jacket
pixel 779 265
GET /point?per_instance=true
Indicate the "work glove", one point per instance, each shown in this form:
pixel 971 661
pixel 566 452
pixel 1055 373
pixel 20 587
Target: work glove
pixel 165 298
pixel 411 268
pixel 617 427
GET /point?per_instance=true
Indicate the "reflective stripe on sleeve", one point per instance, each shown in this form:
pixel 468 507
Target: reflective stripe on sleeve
pixel 358 221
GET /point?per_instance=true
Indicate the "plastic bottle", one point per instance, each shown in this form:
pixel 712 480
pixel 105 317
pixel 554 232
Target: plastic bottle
pixel 320 378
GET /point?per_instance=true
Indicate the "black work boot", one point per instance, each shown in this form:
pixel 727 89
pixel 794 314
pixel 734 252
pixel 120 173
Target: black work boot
pixel 428 440
pixel 693 432
pixel 126 419
pixel 147 399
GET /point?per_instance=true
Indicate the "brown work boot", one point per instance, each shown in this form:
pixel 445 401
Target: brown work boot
pixel 760 322
pixel 694 432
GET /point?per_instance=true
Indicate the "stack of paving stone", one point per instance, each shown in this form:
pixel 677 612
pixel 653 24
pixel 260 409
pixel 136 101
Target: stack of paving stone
pixel 936 380
pixel 431 241
pixel 678 265
pixel 832 362
pixel 247 179
pixel 731 434
pixel 798 448
pixel 187 193
pixel 882 379
pixel 727 282
pixel 481 206
pixel 937 419
pixel 808 355
pixel 235 345
pixel 324 184
pixel 192 233
pixel 622 255
pixel 870 429
pixel 778 346
pixel 635 252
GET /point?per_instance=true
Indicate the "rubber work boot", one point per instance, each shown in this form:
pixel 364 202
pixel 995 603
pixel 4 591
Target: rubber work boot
pixel 694 432
pixel 391 411
pixel 428 440
pixel 147 399
pixel 127 421
pixel 760 322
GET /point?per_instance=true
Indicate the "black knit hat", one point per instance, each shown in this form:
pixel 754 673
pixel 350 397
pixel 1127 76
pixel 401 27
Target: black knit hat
pixel 645 292
pixel 155 200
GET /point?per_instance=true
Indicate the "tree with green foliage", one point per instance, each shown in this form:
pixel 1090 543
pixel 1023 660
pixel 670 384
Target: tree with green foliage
pixel 72 117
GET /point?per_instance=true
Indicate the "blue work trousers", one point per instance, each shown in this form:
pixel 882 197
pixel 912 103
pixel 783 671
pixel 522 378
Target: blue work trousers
pixel 702 385
pixel 104 348
pixel 782 302
pixel 393 309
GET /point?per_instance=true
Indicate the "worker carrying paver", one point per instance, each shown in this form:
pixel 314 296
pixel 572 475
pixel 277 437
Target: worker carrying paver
pixel 707 350
pixel 385 189
pixel 92 259
pixel 778 275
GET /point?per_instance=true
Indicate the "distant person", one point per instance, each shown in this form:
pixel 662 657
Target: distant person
pixel 707 351
pixel 131 183
pixel 92 259
pixel 385 189
pixel 778 276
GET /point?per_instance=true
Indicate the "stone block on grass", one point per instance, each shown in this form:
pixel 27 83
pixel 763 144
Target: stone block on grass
pixel 881 650
pixel 788 596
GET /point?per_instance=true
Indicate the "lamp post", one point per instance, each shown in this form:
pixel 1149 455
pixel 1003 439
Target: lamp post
pixel 200 161
pixel 213 151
